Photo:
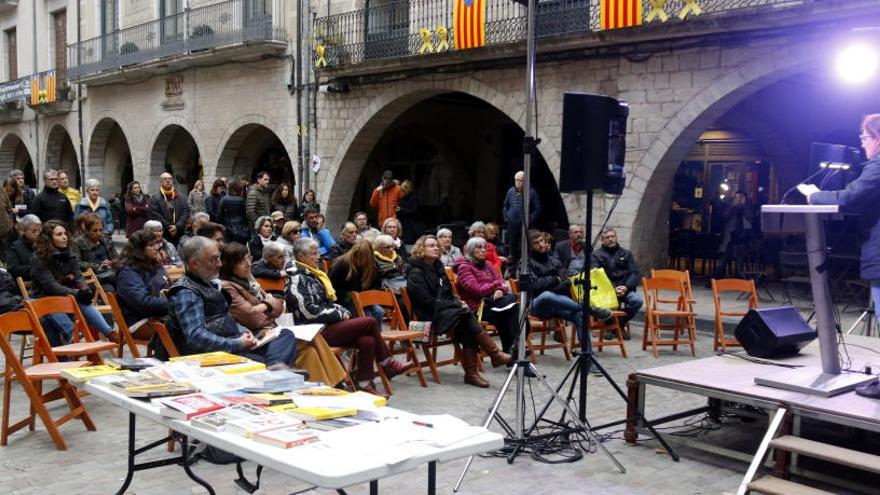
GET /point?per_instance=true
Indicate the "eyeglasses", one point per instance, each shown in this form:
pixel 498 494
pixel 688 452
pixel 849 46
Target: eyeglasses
pixel 865 137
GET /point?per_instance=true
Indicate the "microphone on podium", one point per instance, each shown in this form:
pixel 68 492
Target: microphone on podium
pixel 808 187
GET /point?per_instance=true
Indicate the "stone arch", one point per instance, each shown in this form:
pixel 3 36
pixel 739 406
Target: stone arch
pixel 236 136
pixel 338 184
pixel 11 158
pixel 62 154
pixel 651 177
pixel 158 144
pixel 188 160
pixel 108 135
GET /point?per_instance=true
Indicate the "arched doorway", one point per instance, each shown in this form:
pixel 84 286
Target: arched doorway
pixel 109 156
pixel 253 148
pixel 461 153
pixel 61 155
pixel 176 152
pixel 14 155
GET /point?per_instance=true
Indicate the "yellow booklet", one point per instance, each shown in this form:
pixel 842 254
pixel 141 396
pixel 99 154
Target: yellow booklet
pixel 86 373
pixel 313 413
pixel 234 369
pixel 218 358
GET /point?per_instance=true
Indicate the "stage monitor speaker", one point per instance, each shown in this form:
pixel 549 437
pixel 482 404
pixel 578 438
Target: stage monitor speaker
pixel 773 332
pixel 593 143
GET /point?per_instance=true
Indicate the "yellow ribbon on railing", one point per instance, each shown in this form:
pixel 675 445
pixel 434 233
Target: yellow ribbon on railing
pixel 657 11
pixel 319 51
pixel 427 46
pixel 442 38
pixel 43 96
pixel 690 7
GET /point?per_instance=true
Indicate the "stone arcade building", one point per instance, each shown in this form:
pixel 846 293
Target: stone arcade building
pixel 206 87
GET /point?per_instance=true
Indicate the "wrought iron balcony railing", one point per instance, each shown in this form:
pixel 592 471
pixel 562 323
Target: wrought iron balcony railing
pixel 216 25
pixel 396 28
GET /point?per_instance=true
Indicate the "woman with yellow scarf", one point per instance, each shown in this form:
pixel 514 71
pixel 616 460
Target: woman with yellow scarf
pixel 92 202
pixel 312 299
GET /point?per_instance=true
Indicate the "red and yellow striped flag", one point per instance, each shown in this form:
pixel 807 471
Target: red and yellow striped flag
pixel 621 13
pixel 470 23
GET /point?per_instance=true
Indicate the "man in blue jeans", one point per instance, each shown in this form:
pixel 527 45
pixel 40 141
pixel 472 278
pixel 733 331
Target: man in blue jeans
pixel 199 317
pixel 621 268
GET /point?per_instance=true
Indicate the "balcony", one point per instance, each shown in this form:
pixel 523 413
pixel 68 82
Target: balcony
pixel 396 32
pixel 49 94
pixel 209 35
pixel 8 6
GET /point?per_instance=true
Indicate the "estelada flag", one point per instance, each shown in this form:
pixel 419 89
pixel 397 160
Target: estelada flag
pixel 621 13
pixel 470 23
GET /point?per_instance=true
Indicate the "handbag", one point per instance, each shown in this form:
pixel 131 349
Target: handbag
pixel 503 303
pixel 603 296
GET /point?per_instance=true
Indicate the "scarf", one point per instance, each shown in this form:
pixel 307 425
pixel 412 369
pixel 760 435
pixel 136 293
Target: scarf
pixel 328 287
pixel 250 284
pixel 94 206
pixel 392 259
pixel 168 194
pixel 397 243
pixel 137 199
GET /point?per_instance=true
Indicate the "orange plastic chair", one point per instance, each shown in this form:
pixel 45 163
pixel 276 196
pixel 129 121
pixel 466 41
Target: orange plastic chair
pixel 600 329
pixel 82 344
pixel 31 379
pixel 273 285
pixel 543 327
pixel 398 333
pixel 660 317
pixel 100 298
pixel 730 285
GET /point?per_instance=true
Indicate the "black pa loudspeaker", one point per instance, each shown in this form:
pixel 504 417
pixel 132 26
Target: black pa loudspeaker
pixel 773 332
pixel 593 143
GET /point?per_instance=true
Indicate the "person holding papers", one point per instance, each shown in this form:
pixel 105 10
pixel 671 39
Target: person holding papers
pixel 312 299
pixel 860 196
pixel 254 308
pixel 480 284
pixel 199 319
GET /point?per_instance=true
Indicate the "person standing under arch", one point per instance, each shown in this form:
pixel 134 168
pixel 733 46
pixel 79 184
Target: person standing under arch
pixel 386 197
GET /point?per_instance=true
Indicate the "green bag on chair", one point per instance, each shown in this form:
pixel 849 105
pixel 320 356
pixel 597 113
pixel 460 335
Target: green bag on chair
pixel 603 296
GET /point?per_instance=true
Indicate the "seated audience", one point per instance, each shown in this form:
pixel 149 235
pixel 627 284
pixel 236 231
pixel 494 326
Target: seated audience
pixel 356 271
pixel 94 250
pixel 347 236
pixel 254 308
pixel 478 229
pixel 432 300
pixel 312 299
pixel 448 252
pixel 479 283
pixel 18 258
pixel 392 227
pixel 278 222
pixel 214 231
pixel 621 268
pixel 199 318
pixel 493 237
pixel 55 272
pixel 263 233
pixel 571 252
pixel 141 279
pixel 167 252
pixel 314 229
pixel 290 233
pixel 273 265
pixel 391 266
pixel 196 221
pixel 364 229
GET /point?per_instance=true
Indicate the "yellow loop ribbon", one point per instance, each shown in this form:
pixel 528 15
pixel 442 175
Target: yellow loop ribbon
pixel 690 7
pixel 427 46
pixel 442 38
pixel 319 51
pixel 43 96
pixel 657 11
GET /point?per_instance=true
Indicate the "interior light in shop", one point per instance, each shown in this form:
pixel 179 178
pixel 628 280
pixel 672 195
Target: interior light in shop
pixel 857 63
pixel 725 186
pixel 834 165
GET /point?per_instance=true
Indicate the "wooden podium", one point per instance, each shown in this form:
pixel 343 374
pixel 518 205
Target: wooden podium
pixel 828 380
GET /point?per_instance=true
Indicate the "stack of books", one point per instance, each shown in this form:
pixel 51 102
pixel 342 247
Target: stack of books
pixel 212 358
pixel 273 381
pixel 78 376
pixel 144 386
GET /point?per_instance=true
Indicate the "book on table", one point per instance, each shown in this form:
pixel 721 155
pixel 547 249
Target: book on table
pixel 142 386
pixel 217 420
pixel 86 373
pixel 133 363
pixel 187 406
pixel 242 397
pixel 273 399
pixel 246 427
pixel 245 367
pixel 217 358
pixel 313 413
pixel 287 436
pixel 273 381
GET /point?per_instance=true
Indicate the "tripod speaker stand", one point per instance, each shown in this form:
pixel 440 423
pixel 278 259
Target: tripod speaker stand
pixel 868 318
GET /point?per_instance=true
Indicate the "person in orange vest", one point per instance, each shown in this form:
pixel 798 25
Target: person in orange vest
pixel 386 197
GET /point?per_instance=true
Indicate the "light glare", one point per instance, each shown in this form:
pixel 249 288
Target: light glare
pixel 857 63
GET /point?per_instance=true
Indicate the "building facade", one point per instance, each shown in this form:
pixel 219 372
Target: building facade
pixel 226 88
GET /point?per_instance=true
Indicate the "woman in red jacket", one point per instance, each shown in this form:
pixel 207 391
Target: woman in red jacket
pixel 480 283
pixel 478 229
pixel 137 206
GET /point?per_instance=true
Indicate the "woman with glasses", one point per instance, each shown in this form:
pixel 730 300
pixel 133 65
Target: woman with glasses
pixel 141 279
pixel 448 252
pixel 860 196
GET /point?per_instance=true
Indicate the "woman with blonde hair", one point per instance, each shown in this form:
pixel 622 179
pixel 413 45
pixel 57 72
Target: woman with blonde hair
pixel 290 233
pixel 393 228
pixel 356 271
pixel 197 198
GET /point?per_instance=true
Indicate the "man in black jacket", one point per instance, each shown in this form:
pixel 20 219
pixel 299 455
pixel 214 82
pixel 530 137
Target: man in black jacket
pixel 170 208
pixel 621 268
pixel 52 204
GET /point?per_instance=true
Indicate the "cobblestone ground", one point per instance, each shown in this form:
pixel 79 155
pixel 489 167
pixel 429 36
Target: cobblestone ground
pixel 95 461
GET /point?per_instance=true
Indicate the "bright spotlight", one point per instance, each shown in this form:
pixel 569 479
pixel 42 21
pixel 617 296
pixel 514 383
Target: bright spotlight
pixel 857 63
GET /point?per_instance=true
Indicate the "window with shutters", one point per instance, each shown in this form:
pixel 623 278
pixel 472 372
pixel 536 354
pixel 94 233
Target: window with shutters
pixel 11 54
pixel 59 45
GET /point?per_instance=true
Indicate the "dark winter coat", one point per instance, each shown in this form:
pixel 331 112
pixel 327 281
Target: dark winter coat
pixel 136 213
pixel 619 265
pixel 139 290
pixel 170 212
pixel 860 196
pixel 431 295
pixel 18 258
pixel 52 204
pixel 231 213
pixel 307 299
pixel 513 207
pixel 57 276
pixel 548 273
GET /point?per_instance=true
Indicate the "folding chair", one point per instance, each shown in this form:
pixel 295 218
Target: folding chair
pixel 660 317
pixel 31 379
pixel 273 285
pixel 398 333
pixel 88 347
pixel 453 280
pixel 141 335
pixel 542 327
pixel 100 298
pixel 431 344
pixel 25 288
pixel 602 328
pixel 730 285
